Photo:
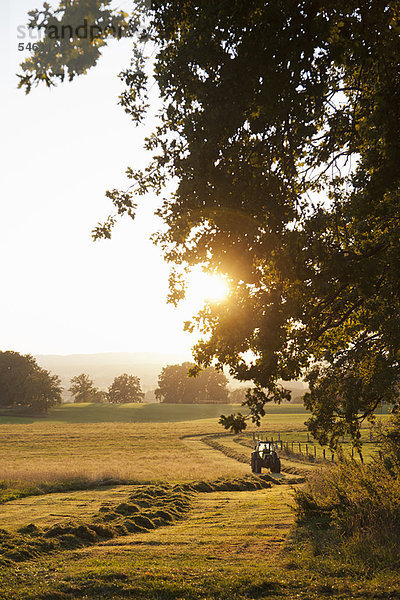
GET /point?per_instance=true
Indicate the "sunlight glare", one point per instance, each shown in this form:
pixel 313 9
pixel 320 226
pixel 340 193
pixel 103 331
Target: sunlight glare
pixel 204 287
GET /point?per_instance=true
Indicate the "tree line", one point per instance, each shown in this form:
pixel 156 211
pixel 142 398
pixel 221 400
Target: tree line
pixel 123 390
pixel 26 387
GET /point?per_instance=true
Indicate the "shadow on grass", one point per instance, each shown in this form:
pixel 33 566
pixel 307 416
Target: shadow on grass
pixel 125 413
pixel 156 587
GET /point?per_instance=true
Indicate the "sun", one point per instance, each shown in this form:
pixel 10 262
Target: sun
pixel 205 287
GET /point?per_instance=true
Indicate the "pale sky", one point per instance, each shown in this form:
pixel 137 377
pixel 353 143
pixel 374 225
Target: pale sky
pixel 61 150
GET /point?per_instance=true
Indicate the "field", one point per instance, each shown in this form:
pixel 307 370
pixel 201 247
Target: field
pixel 148 413
pixel 158 509
pixel 132 442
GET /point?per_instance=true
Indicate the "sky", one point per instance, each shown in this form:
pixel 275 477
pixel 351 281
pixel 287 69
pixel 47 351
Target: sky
pixel 61 149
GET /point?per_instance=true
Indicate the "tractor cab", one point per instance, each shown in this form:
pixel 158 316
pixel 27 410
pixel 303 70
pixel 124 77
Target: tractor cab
pixel 264 449
pixel 265 455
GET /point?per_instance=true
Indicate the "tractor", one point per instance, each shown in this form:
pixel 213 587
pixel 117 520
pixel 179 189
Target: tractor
pixel 265 455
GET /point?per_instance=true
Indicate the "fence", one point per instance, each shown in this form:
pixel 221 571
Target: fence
pixel 310 450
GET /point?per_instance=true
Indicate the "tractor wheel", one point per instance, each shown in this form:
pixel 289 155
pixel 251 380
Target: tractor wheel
pixel 255 463
pixel 252 462
pixel 276 468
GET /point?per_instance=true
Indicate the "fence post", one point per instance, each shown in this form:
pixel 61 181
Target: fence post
pixel 279 437
pixel 361 458
pixel 333 458
pixel 299 448
pixel 306 450
pixel 308 437
pixel 315 451
pixel 380 454
pixel 323 453
pixel 352 452
pixel 292 446
pixel 281 444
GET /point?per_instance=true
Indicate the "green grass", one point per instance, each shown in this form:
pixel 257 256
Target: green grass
pixel 231 545
pixel 145 413
pixel 348 521
pixel 47 509
pixel 213 553
pixel 125 413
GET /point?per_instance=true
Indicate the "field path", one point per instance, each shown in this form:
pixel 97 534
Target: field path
pixel 221 525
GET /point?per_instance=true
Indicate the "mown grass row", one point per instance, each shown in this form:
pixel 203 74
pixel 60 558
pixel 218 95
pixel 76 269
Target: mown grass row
pixel 147 508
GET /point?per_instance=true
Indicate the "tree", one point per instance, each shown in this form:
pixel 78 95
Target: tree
pixel 176 386
pixel 83 389
pixel 23 384
pixel 172 384
pixel 43 391
pixel 99 397
pixel 124 389
pixel 280 126
pixel 238 396
pixel 215 386
pixel 14 372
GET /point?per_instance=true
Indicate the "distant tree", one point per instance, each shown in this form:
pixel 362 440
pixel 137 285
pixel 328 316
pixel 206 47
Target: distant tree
pixel 125 389
pixel 215 386
pixel 177 386
pixel 43 391
pixel 238 395
pixel 23 384
pixel 298 396
pixel 99 397
pixel 14 372
pixel 173 384
pixel 83 389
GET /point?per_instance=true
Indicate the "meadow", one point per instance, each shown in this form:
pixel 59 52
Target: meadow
pixel 146 413
pixel 125 443
pixel 157 502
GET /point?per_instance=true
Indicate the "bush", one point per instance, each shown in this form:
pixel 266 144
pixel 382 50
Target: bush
pixel 355 508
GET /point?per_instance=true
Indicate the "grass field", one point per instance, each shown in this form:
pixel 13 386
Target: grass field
pixel 143 413
pixel 73 442
pixel 219 539
pixel 139 452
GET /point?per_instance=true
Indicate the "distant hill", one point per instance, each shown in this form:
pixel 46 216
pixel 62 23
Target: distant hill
pixel 102 368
